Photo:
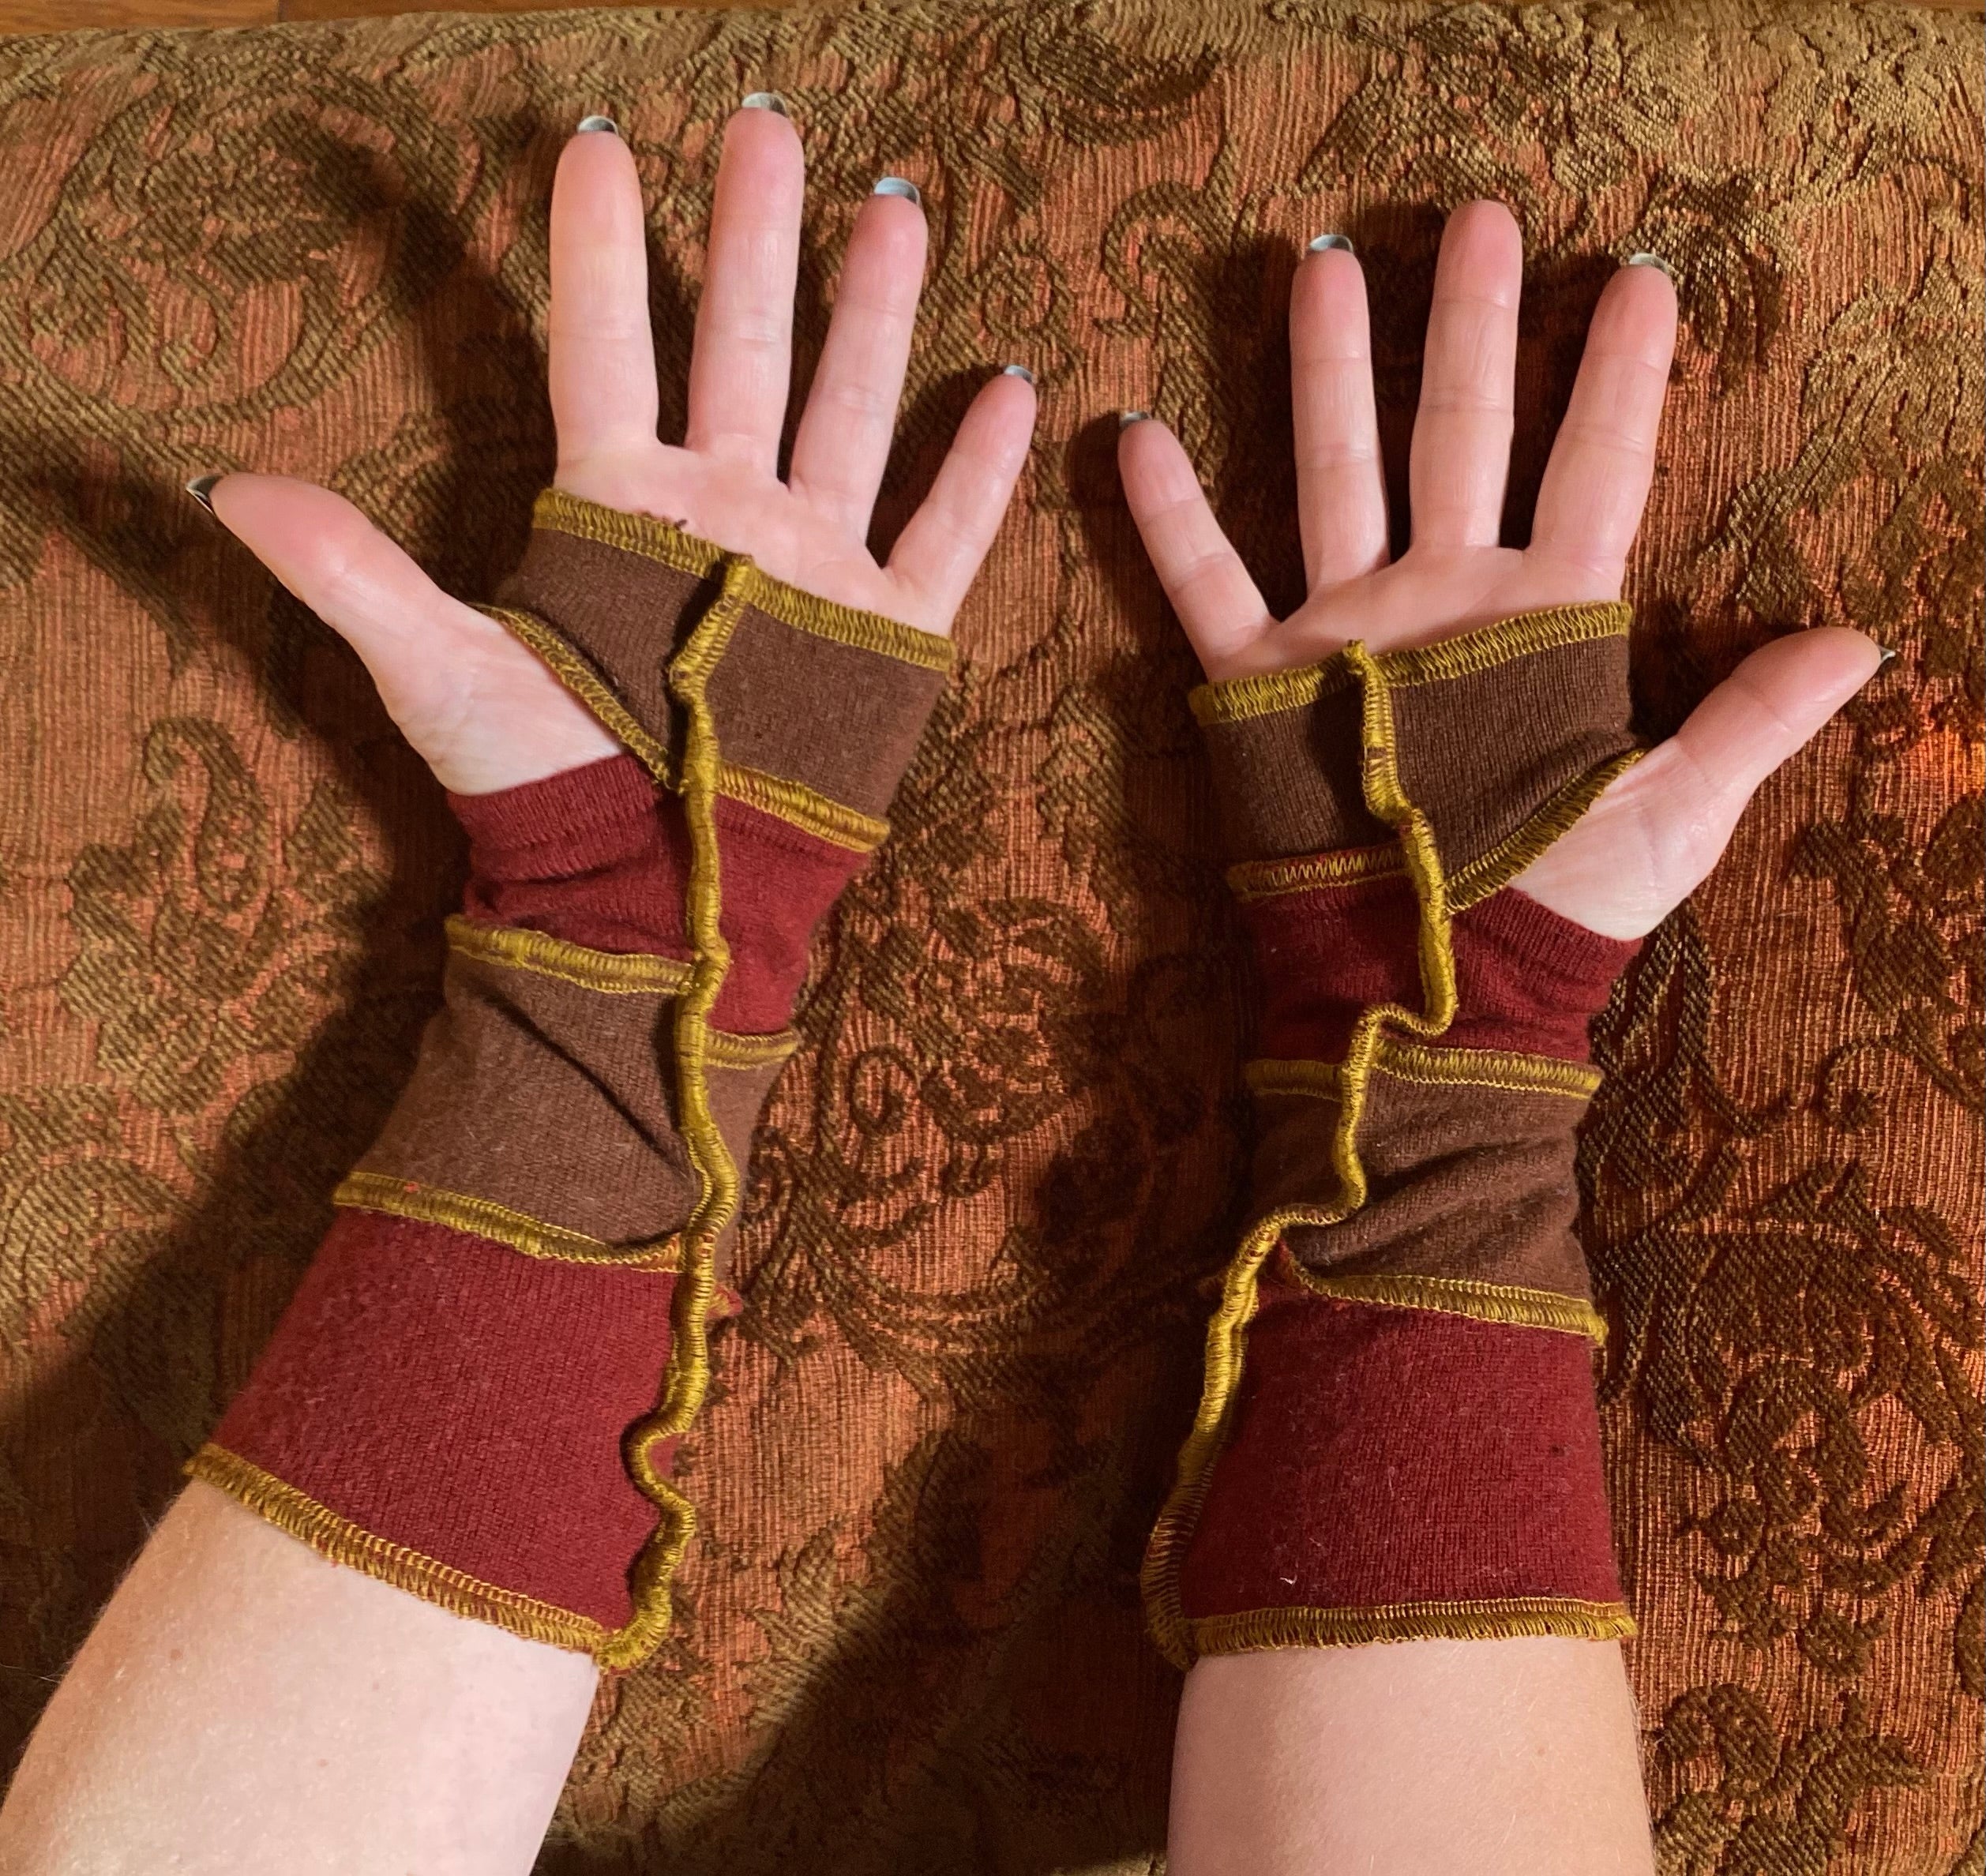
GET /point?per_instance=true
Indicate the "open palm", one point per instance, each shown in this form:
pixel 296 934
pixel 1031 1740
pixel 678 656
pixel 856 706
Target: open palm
pixel 1661 826
pixel 481 709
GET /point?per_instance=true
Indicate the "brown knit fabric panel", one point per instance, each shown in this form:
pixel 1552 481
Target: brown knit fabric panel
pixel 841 720
pixel 1288 781
pixel 626 614
pixel 990 1191
pixel 555 1101
pixel 1480 754
pixel 1465 1182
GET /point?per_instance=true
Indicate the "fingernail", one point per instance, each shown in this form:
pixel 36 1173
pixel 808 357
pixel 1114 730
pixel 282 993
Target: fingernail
pixel 599 123
pixel 896 185
pixel 1126 419
pixel 1652 261
pixel 1324 242
pixel 1019 371
pixel 201 487
pixel 1891 655
pixel 770 101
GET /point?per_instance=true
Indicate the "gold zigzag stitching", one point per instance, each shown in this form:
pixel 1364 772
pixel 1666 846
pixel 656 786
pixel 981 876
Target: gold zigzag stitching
pixel 616 974
pixel 1234 700
pixel 1249 1630
pixel 658 540
pixel 363 1190
pixel 1251 880
pixel 1418 1062
pixel 337 1538
pixel 579 676
pixel 805 807
pixel 1491 872
pixel 1179 1638
pixel 1516 1304
pixel 686 1376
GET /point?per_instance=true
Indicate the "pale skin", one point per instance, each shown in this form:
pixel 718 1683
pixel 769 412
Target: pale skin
pixel 244 1705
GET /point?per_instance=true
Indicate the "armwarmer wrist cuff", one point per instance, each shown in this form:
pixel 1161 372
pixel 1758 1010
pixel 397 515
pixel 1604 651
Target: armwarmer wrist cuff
pixel 478 1388
pixel 1397 1436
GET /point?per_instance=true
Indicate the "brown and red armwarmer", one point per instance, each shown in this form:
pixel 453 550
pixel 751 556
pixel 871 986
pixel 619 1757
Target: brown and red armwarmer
pixel 477 1391
pixel 1397 1435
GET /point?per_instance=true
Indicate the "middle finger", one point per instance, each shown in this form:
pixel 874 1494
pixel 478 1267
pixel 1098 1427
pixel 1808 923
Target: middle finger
pixel 741 364
pixel 1460 460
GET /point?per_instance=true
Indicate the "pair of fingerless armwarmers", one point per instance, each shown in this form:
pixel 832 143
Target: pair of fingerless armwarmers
pixel 478 1389
pixel 1397 1436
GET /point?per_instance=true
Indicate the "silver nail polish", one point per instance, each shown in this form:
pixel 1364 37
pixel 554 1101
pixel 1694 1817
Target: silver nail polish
pixel 770 101
pixel 897 186
pixel 599 123
pixel 200 488
pixel 1652 261
pixel 1891 655
pixel 1325 242
pixel 1019 371
pixel 1126 419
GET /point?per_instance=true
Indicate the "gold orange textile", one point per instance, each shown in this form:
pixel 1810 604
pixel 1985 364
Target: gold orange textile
pixel 996 1182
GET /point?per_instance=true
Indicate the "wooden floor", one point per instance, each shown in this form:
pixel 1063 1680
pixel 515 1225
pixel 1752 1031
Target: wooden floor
pixel 61 16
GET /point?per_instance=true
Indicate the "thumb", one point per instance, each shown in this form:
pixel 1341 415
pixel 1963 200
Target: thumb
pixel 1656 833
pixel 478 706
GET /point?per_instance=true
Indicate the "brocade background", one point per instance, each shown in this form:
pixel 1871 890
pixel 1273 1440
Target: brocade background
pixel 993 1190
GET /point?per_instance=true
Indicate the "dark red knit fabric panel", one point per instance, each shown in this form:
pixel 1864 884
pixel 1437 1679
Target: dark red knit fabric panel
pixel 1526 978
pixel 599 857
pixel 467 1400
pixel 1382 1455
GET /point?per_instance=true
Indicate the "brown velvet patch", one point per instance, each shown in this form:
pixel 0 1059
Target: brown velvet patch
pixel 1463 1182
pixel 1381 1456
pixel 452 1395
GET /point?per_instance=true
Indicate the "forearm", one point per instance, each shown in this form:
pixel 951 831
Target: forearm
pixel 244 1705
pixel 1519 1756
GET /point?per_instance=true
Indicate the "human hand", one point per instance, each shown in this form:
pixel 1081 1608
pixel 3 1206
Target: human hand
pixel 1661 826
pixel 481 709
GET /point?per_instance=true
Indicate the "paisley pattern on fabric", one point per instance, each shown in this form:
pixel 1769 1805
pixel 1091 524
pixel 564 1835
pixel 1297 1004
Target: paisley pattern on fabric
pixel 997 1179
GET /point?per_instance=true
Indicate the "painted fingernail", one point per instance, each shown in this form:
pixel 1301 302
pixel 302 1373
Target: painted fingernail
pixel 1126 419
pixel 599 123
pixel 770 101
pixel 1891 655
pixel 897 186
pixel 1652 261
pixel 200 489
pixel 1019 371
pixel 1324 242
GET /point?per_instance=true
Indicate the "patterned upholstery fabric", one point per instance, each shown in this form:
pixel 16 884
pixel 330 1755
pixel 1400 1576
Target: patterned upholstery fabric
pixel 992 1188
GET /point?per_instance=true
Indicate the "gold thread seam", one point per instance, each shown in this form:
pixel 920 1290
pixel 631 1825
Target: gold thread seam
pixel 336 1537
pixel 655 539
pixel 1251 880
pixel 615 974
pixel 802 806
pixel 1489 872
pixel 577 674
pixel 686 1374
pixel 1249 1630
pixel 1489 1068
pixel 1520 635
pixel 1516 1306
pixel 1237 699
pixel 364 1190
